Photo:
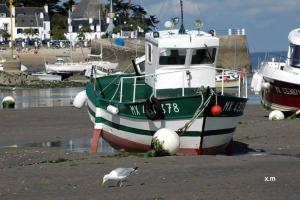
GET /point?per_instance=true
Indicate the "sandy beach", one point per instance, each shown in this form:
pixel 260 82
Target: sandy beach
pixel 35 62
pixel 263 149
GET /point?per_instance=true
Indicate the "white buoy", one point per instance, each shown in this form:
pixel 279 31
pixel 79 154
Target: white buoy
pixel 80 99
pixel 276 115
pixel 169 140
pixel 112 109
pixel 168 25
pixel 256 83
pixel 266 85
pixel 8 102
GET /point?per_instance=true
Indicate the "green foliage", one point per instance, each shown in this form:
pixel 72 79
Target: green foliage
pixel 8 104
pixel 130 16
pixel 83 30
pixel 66 6
pixel 57 33
pixel 4 33
pixel 59 26
pixel 157 149
pixel 29 31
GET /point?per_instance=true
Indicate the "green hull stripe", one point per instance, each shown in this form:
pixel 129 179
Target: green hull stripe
pixel 219 132
pixel 151 133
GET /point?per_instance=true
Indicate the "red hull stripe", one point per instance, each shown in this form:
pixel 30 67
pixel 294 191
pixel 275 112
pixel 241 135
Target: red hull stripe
pixel 283 94
pixel 130 146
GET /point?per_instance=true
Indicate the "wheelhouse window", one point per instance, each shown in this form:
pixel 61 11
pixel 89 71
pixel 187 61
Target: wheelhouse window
pixel 295 56
pixel 204 56
pixel 149 53
pixel 172 56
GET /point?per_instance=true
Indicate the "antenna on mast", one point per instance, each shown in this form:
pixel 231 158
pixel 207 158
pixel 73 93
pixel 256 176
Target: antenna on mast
pixel 182 29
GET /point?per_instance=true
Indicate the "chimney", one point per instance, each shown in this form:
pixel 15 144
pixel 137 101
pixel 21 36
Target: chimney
pixel 46 8
pixel 73 7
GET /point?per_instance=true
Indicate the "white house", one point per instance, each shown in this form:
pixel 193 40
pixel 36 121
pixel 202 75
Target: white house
pixel 36 18
pixel 86 14
pixel 5 20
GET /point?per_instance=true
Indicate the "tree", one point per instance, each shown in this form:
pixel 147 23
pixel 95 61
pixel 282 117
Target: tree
pixel 59 26
pixel 134 15
pixel 4 34
pixel 64 9
pixel 57 33
pixel 83 30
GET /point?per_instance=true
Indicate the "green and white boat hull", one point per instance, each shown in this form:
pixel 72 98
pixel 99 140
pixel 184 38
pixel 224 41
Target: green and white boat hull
pixel 132 131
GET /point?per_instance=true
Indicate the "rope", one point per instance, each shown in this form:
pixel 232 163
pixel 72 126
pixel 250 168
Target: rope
pixel 197 113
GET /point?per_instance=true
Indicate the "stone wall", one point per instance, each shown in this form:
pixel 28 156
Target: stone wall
pixel 233 52
pixel 121 54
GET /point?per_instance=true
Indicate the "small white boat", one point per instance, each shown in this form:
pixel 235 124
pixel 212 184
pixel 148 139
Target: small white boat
pixel 103 68
pixel 60 66
pixel 228 79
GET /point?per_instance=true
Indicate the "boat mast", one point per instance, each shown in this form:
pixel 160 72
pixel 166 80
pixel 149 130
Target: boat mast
pixel 101 50
pixel 11 28
pixel 182 29
pixel 70 35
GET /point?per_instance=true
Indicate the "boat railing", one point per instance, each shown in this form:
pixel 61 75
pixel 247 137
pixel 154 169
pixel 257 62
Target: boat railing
pixel 274 58
pixel 231 31
pixel 240 91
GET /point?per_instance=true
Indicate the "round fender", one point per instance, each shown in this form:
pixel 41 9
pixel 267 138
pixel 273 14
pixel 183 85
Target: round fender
pixel 153 109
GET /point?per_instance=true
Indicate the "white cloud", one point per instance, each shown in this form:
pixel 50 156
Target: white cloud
pixel 240 8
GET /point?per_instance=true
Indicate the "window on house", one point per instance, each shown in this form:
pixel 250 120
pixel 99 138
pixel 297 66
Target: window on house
pixel 172 56
pixel 5 26
pixel 19 30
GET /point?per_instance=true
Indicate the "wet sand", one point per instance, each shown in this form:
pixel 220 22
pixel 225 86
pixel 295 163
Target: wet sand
pixel 262 149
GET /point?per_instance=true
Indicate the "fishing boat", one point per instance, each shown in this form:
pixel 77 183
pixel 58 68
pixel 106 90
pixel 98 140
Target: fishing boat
pixel 175 89
pixel 278 80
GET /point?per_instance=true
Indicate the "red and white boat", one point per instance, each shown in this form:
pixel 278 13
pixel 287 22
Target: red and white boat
pixel 278 82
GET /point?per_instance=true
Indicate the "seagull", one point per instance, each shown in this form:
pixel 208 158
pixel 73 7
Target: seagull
pixel 119 174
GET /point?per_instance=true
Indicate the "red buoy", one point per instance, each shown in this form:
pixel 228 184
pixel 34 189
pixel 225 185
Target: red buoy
pixel 216 110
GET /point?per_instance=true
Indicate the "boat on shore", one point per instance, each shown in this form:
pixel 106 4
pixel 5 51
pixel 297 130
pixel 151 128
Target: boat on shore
pixel 278 80
pixel 175 89
pixel 228 79
pixel 62 66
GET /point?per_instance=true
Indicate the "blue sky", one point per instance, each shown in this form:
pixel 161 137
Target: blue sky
pixel 267 22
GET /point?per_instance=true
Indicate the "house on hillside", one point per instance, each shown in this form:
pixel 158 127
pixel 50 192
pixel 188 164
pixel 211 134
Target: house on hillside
pixel 86 14
pixel 4 21
pixel 35 18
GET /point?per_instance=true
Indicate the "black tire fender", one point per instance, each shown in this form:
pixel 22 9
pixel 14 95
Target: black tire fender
pixel 153 109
